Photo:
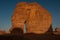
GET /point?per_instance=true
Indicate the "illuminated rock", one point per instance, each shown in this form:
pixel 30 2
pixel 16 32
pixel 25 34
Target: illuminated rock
pixel 37 18
pixel 19 16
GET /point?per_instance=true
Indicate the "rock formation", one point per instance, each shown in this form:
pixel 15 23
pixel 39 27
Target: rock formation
pixel 37 18
pixel 57 29
pixel 2 32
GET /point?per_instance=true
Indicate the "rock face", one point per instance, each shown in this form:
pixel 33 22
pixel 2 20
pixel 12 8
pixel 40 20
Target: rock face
pixel 19 16
pixel 37 18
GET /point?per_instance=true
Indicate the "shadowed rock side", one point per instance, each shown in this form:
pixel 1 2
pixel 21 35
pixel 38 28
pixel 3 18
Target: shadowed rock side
pixel 50 30
pixel 17 31
pixel 37 18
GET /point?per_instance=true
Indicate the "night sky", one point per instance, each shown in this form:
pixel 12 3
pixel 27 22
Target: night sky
pixel 7 8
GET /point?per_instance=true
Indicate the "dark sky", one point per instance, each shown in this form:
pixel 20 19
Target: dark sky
pixel 7 8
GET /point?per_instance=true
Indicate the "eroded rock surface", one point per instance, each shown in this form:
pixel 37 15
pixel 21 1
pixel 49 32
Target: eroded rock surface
pixel 37 18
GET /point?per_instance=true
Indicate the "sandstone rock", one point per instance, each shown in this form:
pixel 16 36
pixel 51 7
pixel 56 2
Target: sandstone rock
pixel 57 29
pixel 37 18
pixel 2 32
pixel 19 16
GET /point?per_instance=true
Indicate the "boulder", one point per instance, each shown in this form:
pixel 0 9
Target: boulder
pixel 36 17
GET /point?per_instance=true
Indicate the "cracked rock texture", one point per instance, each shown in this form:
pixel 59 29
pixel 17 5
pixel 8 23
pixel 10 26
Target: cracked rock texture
pixel 36 17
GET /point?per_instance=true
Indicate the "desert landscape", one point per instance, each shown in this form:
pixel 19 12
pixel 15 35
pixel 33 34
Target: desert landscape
pixel 38 21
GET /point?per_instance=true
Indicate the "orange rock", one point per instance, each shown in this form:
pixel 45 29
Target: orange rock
pixel 38 19
pixel 2 32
